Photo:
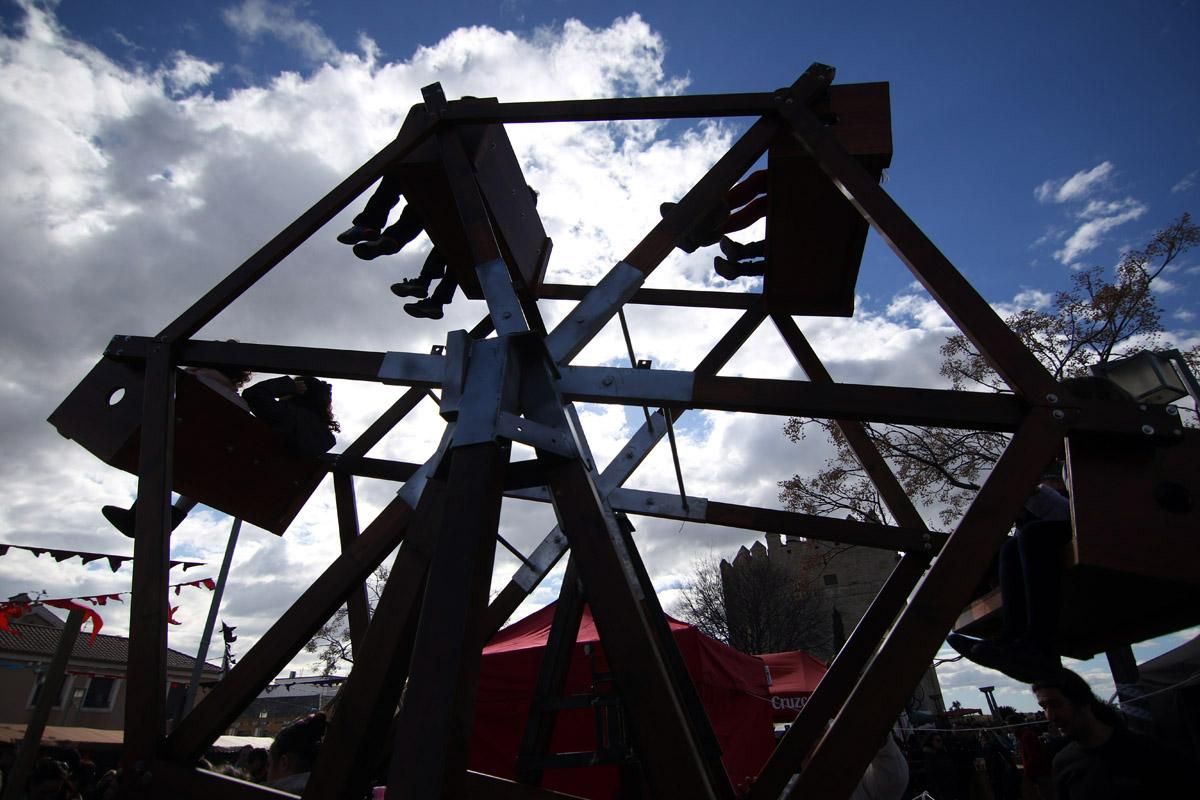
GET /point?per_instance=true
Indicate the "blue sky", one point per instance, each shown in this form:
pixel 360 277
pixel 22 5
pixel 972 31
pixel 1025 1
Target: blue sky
pixel 151 147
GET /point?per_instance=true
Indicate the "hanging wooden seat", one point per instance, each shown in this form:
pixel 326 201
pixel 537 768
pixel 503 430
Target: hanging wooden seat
pixel 1132 569
pixel 512 212
pixel 815 236
pixel 224 456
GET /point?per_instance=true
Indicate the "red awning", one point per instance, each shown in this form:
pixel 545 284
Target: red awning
pixel 732 687
pixel 794 676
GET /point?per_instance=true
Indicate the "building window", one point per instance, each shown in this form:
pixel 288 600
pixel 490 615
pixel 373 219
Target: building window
pixel 100 694
pixel 831 580
pixel 37 690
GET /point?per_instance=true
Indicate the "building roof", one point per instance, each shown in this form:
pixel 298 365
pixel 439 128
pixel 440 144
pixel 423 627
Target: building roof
pixel 40 641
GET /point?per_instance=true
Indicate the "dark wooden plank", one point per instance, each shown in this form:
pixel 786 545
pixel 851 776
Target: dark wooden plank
pixel 826 529
pixel 512 208
pixel 904 406
pixel 844 751
pixel 752 104
pixel 287 636
pixel 1156 504
pixel 824 703
pixel 884 480
pixel 357 610
pixel 682 298
pixel 671 756
pixel 434 724
pixel 368 700
pixel 220 451
pixel 551 679
pixel 146 677
pixel 474 226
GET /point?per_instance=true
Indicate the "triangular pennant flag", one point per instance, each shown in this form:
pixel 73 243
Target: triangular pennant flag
pixel 115 562
pixel 61 555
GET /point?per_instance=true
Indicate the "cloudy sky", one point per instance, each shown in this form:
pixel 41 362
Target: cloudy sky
pixel 149 148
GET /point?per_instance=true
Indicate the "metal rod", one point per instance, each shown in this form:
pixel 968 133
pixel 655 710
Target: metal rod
pixel 513 550
pixel 675 457
pixel 213 609
pixel 632 355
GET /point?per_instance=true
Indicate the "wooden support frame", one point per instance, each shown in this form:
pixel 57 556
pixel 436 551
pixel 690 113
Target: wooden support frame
pixel 440 579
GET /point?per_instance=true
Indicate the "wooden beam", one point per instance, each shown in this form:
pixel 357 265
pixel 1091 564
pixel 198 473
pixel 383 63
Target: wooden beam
pixel 368 700
pixel 845 749
pixel 146 677
pixel 287 636
pixel 434 724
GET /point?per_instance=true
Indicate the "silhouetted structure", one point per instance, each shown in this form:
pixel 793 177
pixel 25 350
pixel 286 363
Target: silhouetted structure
pixel 825 144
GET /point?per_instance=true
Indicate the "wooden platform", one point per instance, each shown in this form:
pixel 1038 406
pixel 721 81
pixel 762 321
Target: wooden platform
pixel 1101 610
pixel 224 456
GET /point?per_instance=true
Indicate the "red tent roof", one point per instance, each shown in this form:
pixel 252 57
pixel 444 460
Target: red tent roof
pixel 732 687
pixel 794 676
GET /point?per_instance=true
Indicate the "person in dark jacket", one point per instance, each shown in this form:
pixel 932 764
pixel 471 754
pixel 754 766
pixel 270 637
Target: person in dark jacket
pixel 299 408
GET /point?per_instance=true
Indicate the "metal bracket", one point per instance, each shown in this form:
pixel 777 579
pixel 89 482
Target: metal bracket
pixel 502 301
pixel 535 434
pixel 458 353
pixel 593 312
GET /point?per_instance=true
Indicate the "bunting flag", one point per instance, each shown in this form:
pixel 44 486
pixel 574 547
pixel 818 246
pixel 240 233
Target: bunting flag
pixel 10 610
pixel 88 614
pixel 114 562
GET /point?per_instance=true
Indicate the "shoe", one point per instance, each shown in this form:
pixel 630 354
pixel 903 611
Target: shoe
pixel 731 249
pixel 383 246
pixel 705 232
pixel 358 233
pixel 426 309
pixel 123 519
pixel 728 270
pixel 413 287
pixel 1016 658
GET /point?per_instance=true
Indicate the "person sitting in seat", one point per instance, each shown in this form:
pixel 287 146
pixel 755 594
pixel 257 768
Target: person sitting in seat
pixel 748 196
pixel 434 268
pixel 1030 579
pixel 368 234
pixel 294 752
pixel 299 408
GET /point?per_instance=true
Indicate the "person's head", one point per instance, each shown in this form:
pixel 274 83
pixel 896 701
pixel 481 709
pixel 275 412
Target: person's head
pixel 295 747
pixel 49 780
pixel 237 376
pixel 317 395
pixel 1071 705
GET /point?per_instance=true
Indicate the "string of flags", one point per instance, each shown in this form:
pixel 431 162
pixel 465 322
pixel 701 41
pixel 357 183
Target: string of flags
pixel 115 562
pixel 11 610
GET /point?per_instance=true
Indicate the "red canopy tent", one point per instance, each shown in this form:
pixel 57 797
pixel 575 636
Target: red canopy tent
pixel 793 677
pixel 732 686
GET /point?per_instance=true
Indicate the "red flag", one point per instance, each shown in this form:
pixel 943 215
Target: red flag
pixel 88 614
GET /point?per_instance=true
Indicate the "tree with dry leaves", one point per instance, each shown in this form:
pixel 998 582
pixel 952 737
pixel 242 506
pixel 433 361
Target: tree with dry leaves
pixel 1098 318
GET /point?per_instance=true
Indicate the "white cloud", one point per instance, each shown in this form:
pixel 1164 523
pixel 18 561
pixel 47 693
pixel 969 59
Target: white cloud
pixel 1076 187
pixel 1089 235
pixel 189 72
pixel 1186 183
pixel 254 19
pixel 1184 315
